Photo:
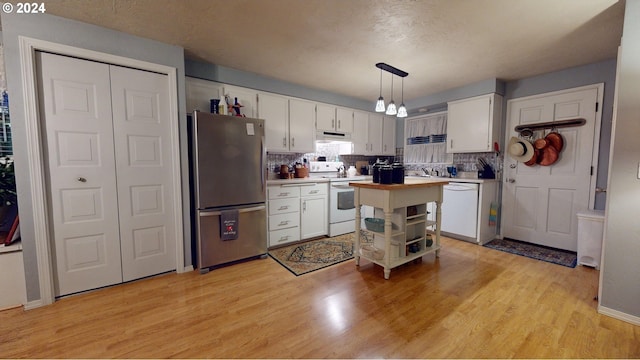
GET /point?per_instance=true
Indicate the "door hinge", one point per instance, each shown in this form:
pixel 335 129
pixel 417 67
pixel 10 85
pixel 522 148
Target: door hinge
pixel 597 106
pixel 591 171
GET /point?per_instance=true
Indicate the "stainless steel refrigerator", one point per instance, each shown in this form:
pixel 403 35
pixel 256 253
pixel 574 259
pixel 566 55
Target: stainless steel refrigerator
pixel 228 187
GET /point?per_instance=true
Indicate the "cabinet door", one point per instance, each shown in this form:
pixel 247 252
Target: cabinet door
pixel 360 135
pixel 472 124
pixel 246 97
pixel 274 110
pixel 389 136
pixel 344 119
pixel 375 134
pixel 325 117
pixel 301 126
pixel 199 94
pixel 313 216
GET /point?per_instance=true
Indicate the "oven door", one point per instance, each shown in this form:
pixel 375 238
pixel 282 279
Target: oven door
pixel 342 207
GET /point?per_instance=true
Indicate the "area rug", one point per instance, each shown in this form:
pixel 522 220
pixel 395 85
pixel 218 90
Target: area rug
pixel 312 255
pixel 538 252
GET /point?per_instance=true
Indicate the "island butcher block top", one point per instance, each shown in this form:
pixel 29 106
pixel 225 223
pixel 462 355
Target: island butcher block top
pixel 408 183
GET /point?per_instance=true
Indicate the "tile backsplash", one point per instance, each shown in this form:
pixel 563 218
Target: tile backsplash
pixel 463 162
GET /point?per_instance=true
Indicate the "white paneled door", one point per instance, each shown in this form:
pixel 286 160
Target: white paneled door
pixel 540 203
pixel 108 172
pixel 144 171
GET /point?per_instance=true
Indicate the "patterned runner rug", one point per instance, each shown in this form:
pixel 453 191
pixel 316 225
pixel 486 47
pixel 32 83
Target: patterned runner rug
pixel 312 255
pixel 538 252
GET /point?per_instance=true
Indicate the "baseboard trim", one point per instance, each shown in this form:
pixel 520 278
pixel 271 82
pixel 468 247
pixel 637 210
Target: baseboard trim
pixel 187 268
pixel 30 305
pixel 635 320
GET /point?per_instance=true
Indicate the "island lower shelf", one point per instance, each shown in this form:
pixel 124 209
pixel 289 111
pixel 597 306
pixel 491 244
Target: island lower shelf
pixel 394 262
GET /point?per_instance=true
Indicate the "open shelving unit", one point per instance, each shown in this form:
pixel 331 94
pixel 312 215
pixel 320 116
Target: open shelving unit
pixel 405 236
pixel 408 238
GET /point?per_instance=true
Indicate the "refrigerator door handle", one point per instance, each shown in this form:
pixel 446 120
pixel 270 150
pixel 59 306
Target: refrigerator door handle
pixel 262 156
pixel 244 210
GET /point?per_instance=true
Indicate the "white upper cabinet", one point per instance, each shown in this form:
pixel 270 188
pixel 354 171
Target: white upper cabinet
pixel 388 135
pixel 344 120
pixel 473 124
pixel 367 133
pixel 302 116
pixel 334 119
pixel 199 94
pixel 375 134
pixel 360 135
pixel 274 109
pixel 325 117
pixel 246 97
pixel 288 123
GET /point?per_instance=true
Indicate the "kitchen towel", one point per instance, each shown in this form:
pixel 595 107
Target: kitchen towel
pixel 229 224
pixel 493 214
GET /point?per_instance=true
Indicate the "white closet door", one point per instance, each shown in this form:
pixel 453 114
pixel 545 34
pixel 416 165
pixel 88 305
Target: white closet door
pixel 75 105
pixel 142 128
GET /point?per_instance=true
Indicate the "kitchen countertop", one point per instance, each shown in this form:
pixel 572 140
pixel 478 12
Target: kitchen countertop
pixel 297 181
pixel 458 180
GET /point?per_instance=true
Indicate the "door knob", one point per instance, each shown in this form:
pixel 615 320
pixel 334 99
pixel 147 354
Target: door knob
pixel 81 179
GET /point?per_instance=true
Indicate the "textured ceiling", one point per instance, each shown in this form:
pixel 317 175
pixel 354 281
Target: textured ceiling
pixel 334 45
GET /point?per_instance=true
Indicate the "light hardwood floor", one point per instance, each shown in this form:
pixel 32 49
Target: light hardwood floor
pixel 472 302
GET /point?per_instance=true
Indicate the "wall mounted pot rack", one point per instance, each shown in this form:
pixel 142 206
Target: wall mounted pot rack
pixel 551 125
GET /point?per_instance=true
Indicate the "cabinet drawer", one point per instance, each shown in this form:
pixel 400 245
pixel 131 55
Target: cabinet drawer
pixel 315 189
pixel 279 192
pixel 284 221
pixel 283 206
pixel 283 236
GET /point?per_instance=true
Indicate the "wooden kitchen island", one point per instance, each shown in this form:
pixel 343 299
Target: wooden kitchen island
pixel 404 210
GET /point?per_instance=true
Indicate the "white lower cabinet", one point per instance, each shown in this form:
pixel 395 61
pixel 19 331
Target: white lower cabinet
pixel 313 216
pixel 297 211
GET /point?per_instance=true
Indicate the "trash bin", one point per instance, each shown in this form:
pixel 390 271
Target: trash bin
pixel 590 233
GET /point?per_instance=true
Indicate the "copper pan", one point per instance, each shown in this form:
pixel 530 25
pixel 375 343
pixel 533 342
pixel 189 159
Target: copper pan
pixel 555 140
pixel 534 159
pixel 549 156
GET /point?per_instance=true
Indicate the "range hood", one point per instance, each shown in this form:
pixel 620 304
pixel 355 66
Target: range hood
pixel 332 136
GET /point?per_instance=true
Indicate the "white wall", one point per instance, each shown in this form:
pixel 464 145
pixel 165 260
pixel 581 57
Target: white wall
pixel 620 271
pixel 72 33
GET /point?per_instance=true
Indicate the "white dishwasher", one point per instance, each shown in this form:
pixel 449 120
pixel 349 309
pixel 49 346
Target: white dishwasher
pixel 460 209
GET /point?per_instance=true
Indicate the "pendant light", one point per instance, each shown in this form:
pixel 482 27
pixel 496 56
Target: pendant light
pixel 391 109
pixel 380 104
pixel 402 110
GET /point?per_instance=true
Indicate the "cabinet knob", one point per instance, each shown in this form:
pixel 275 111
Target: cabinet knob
pixel 81 179
pixel 511 180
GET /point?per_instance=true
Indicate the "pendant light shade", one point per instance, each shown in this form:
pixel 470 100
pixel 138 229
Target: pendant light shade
pixel 402 110
pixel 380 103
pixel 391 108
